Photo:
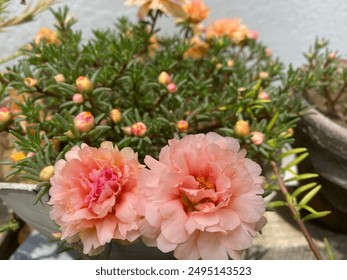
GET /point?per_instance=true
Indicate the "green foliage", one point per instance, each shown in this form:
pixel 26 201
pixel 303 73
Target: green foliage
pixel 124 64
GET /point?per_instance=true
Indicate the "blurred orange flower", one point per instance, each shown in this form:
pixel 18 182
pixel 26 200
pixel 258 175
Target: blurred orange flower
pixel 196 11
pixel 197 50
pixel 46 34
pixel 169 7
pixel 231 28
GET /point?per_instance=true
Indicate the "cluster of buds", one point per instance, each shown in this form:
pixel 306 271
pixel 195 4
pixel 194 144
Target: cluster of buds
pixel 165 79
pixel 243 129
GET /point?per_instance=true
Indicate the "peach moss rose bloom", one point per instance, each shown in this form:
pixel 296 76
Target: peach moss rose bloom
pixel 93 196
pixel 202 199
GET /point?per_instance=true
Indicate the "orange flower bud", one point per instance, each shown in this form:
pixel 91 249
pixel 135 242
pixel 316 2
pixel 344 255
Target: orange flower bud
pixel 84 121
pixel 17 156
pixel 46 173
pixel 116 115
pixel 5 115
pixel 84 84
pixel 30 82
pixel 182 125
pixel 59 78
pixel 172 88
pixel 230 63
pixel 257 137
pixel 219 65
pixel 77 98
pixel 138 129
pixel 164 78
pixel 241 128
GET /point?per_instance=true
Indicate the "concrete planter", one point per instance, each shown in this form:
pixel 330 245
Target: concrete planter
pixel 326 142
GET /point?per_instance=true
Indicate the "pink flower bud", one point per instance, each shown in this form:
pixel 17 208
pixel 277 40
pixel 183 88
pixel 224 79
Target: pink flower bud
pixel 164 78
pixel 30 82
pixel 59 78
pixel 46 173
pixel 241 128
pixel 332 56
pixel 252 34
pixel 257 137
pixel 84 121
pixel 127 130
pixel 84 84
pixel 268 52
pixel 30 154
pixel 172 88
pixel 116 115
pixel 5 115
pixel 138 129
pixel 77 98
pixel 182 125
pixel 263 95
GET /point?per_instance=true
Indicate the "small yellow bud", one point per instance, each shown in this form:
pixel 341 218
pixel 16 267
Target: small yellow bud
pixel 46 173
pixel 5 115
pixel 164 78
pixel 241 128
pixel 30 82
pixel 59 78
pixel 230 63
pixel 84 84
pixel 263 75
pixel 116 115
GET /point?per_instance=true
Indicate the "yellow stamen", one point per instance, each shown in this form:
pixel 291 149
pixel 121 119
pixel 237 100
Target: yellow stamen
pixel 204 183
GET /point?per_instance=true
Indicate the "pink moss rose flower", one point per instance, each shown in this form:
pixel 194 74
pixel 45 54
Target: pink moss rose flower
pixel 93 196
pixel 202 199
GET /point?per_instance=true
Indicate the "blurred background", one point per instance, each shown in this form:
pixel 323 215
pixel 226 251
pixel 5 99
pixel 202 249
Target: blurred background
pixel 288 27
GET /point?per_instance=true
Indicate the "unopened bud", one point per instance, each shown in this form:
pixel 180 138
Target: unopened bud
pixel 257 137
pixel 127 130
pixel 116 115
pixel 70 134
pixel 171 87
pixel 59 78
pixel 5 115
pixel 84 84
pixel 230 63
pixel 77 98
pixel 268 52
pixel 263 75
pixel 164 78
pixel 332 56
pixel 219 65
pixel 17 156
pixel 242 128
pixel 252 34
pixel 46 173
pixel 30 82
pixel 263 95
pixel 30 154
pixel 138 129
pixel 84 121
pixel 182 125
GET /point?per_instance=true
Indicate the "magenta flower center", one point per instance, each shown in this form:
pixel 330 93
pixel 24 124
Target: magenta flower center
pixel 101 181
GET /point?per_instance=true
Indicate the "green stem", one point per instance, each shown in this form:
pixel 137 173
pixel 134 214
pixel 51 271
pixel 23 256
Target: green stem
pixel 13 56
pixel 295 213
